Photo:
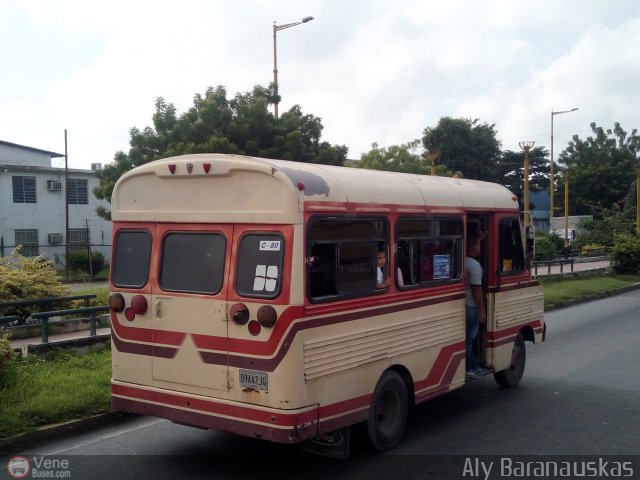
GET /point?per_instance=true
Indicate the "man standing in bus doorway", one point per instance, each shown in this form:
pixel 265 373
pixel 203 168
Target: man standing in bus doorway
pixel 474 303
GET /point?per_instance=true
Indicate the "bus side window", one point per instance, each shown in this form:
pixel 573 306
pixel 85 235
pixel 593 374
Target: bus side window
pixel 511 248
pixel 341 258
pixel 323 274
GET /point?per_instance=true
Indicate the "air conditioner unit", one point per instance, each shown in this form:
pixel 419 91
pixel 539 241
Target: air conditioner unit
pixel 54 237
pixel 54 185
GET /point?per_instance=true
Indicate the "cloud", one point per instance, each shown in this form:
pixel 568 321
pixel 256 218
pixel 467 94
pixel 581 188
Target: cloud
pixel 377 71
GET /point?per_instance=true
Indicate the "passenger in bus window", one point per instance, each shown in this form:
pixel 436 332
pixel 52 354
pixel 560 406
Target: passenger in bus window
pixel 474 304
pixel 382 275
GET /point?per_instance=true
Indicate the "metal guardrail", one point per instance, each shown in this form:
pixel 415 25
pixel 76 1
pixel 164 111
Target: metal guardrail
pixel 560 261
pixel 44 316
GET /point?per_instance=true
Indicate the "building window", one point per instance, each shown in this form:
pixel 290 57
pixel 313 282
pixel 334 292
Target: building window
pixel 78 191
pixel 24 189
pixel 28 239
pixel 78 239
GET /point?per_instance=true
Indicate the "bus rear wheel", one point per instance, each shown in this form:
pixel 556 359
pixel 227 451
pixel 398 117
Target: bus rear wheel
pixel 388 412
pixel 511 376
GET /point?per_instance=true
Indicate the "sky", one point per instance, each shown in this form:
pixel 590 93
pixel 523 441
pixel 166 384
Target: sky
pixel 373 71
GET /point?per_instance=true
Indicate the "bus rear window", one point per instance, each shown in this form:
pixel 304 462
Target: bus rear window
pixel 193 262
pixel 260 261
pixel 131 259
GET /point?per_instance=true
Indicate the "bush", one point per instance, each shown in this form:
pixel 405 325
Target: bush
pixel 547 246
pixel 80 261
pixel 7 356
pixel 626 253
pixel 25 279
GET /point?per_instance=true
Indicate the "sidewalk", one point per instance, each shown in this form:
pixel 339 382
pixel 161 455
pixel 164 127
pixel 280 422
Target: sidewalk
pixel 22 343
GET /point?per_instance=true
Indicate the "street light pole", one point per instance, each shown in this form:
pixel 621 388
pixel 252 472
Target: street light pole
pixel 277 28
pixel 526 146
pixel 566 208
pixel 638 199
pixel 551 182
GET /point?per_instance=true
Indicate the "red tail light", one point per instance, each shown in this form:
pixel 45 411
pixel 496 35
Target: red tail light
pixel 239 313
pixel 254 328
pixel 116 302
pixel 267 316
pixel 139 304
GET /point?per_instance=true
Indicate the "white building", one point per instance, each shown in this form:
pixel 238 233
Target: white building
pixel 32 206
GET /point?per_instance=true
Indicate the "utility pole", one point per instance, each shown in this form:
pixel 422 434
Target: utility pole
pixel 526 146
pixel 66 205
pixel 86 223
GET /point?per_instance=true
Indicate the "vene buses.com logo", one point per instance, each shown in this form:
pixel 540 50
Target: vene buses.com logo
pixel 18 467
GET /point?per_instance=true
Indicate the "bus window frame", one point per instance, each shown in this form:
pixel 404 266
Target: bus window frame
pixel 459 238
pixel 518 246
pixel 280 283
pixel 376 241
pixel 114 262
pixel 160 266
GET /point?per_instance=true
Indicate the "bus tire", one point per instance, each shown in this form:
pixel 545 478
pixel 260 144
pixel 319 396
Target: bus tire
pixel 388 412
pixel 511 376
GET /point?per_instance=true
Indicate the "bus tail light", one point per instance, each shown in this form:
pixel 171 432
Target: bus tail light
pixel 254 327
pixel 139 304
pixel 267 316
pixel 239 313
pixel 116 302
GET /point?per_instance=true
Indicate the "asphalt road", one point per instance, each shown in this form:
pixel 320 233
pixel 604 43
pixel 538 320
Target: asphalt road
pixel 579 396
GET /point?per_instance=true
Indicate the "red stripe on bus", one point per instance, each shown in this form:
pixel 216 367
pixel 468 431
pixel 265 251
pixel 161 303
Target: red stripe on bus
pixel 149 335
pixel 270 349
pixel 287 434
pixel 143 348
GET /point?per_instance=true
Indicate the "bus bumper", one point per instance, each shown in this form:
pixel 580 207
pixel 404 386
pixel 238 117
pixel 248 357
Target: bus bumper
pixel 276 425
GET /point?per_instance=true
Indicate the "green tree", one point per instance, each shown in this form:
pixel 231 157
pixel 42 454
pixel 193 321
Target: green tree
pixel 509 171
pixel 601 169
pixel 214 124
pixel 465 145
pixel 404 158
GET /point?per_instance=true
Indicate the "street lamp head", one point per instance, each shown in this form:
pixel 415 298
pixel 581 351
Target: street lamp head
pixel 574 109
pixel 308 19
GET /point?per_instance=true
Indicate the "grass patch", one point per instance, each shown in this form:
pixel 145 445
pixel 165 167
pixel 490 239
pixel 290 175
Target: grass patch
pixel 64 386
pixel 102 295
pixel 558 291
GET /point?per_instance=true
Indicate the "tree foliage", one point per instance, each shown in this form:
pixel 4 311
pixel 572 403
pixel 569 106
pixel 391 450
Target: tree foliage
pixel 601 169
pixel 214 124
pixel 509 171
pixel 404 158
pixel 465 146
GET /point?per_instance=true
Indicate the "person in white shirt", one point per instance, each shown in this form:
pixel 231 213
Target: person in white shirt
pixel 474 303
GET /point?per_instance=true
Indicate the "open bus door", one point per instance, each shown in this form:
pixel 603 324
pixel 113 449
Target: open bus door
pixel 515 302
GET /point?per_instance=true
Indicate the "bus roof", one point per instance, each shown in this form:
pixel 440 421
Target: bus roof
pixel 232 188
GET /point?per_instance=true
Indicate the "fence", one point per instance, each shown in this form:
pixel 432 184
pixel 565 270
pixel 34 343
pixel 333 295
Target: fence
pixel 45 316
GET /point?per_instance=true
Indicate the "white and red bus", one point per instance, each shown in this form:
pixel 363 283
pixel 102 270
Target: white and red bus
pixel 244 295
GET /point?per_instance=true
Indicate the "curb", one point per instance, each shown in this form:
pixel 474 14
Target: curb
pixel 59 430
pixel 590 298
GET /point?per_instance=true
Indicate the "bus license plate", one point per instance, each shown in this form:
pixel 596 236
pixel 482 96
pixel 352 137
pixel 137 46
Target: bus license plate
pixel 254 379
